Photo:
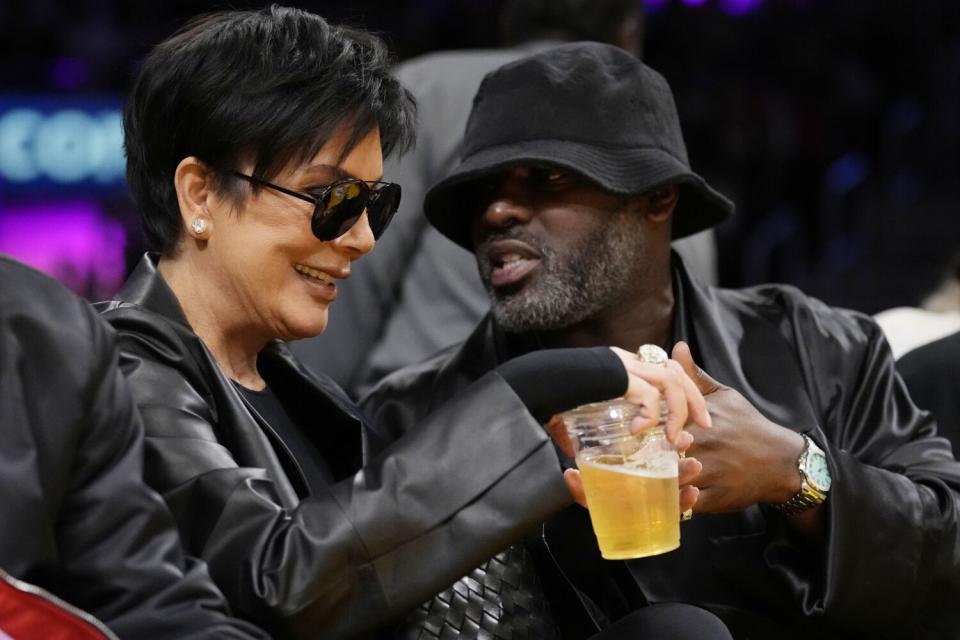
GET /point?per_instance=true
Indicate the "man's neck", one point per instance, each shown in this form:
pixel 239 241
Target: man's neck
pixel 642 319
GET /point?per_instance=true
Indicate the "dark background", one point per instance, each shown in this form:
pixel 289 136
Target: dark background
pixel 834 125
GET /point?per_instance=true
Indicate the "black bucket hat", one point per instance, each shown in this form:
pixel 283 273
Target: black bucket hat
pixel 587 107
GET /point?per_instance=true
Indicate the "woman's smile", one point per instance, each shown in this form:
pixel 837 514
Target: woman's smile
pixel 322 284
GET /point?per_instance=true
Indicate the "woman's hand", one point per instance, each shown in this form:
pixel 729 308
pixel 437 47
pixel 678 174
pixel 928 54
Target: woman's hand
pixel 689 470
pixel 648 383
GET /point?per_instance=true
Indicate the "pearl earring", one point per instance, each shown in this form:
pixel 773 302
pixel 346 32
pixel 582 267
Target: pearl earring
pixel 199 226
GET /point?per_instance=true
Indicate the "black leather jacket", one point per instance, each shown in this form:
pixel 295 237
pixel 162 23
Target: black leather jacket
pixel 380 541
pixel 890 564
pixel 75 515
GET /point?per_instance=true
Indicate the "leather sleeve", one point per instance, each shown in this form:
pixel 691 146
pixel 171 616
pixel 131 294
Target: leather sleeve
pixel 476 475
pixel 75 515
pixel 892 552
pixel 117 540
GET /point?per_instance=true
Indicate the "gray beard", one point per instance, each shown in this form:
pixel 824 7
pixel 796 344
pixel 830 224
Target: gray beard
pixel 573 287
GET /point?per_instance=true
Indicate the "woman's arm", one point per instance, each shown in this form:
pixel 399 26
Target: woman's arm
pixel 475 477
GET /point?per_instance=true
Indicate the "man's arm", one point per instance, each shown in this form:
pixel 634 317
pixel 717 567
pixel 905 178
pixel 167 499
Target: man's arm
pixel 893 551
pixel 884 548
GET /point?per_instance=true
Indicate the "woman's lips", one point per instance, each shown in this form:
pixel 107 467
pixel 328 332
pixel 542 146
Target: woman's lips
pixel 322 284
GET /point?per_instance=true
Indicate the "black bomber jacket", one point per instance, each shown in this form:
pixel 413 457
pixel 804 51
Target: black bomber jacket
pixel 377 543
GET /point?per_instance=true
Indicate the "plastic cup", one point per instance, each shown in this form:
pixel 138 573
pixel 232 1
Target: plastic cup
pixel 630 480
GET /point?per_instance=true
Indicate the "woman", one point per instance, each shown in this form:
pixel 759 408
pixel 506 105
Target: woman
pixel 255 143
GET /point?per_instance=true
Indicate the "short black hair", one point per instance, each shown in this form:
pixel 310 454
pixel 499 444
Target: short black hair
pixel 597 20
pixel 272 85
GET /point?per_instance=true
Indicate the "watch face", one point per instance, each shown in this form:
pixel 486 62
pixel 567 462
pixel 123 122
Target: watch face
pixel 817 471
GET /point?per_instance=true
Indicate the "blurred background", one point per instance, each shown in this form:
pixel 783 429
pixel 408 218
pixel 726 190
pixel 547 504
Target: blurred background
pixel 833 124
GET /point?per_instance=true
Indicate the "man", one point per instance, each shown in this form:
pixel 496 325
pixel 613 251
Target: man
pixel 827 507
pixel 418 292
pixel 77 518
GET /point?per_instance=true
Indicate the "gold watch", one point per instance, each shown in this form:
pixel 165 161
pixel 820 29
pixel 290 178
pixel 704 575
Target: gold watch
pixel 815 480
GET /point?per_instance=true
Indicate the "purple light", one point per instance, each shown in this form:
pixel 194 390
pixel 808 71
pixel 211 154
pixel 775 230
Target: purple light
pixel 69 73
pixel 652 6
pixel 694 3
pixel 71 241
pixel 739 7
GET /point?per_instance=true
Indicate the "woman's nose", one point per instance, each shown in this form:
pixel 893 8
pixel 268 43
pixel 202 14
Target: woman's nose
pixel 358 239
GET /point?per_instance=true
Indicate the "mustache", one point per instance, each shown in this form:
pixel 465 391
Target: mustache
pixel 482 248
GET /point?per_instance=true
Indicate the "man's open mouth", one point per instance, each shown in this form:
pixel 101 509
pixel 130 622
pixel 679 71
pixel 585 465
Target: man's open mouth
pixel 511 261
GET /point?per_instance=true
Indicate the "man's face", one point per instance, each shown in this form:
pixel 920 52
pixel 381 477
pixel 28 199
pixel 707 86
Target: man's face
pixel 554 250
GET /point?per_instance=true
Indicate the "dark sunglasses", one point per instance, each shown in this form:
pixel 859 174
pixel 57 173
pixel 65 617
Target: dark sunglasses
pixel 337 206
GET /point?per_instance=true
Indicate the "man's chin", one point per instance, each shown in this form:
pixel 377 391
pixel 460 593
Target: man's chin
pixel 517 316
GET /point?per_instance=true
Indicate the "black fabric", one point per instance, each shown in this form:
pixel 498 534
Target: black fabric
pixel 889 564
pixel 669 621
pixel 556 380
pixel 932 374
pixel 76 517
pixel 352 560
pixel 588 107
pixel 315 469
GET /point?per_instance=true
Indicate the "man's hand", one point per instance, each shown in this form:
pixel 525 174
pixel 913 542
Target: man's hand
pixel 746 458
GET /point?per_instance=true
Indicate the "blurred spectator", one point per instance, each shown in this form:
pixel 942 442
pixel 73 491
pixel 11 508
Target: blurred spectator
pixel 419 292
pixel 77 518
pixel 932 374
pixel 930 362
pixel 908 328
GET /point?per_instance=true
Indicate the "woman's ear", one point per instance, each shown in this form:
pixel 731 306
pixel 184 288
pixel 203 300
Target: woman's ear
pixel 195 191
pixel 661 202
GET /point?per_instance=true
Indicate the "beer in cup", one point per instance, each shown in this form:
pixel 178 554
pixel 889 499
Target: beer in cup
pixel 630 480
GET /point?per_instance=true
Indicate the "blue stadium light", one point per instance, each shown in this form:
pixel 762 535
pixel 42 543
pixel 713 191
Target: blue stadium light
pixel 49 142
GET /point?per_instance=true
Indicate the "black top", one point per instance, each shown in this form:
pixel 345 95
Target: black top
pixel 294 435
pixel 547 382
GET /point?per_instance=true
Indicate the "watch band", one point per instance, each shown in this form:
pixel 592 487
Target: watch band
pixel 808 496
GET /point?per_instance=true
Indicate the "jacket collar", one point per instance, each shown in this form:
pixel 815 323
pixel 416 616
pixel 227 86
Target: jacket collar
pixel 147 288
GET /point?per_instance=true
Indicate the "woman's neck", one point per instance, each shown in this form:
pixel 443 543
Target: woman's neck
pixel 216 316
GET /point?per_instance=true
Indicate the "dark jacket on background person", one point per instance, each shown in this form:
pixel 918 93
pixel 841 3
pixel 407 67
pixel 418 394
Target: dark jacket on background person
pixel 932 374
pixel 890 562
pixel 75 515
pixel 373 545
